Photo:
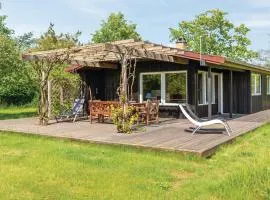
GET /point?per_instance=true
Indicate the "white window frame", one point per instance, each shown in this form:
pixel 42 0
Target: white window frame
pixel 162 85
pixel 268 85
pixel 255 93
pixel 205 79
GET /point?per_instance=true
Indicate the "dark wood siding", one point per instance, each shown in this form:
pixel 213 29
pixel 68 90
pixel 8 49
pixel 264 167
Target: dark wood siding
pixel 104 84
pixel 241 94
pixel 203 110
pixel 261 102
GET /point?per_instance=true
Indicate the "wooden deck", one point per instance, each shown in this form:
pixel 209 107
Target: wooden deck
pixel 168 136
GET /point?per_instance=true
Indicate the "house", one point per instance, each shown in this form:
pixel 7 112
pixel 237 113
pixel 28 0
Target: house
pixel 211 84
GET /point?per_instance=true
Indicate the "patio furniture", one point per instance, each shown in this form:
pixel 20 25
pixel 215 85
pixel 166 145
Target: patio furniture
pixel 102 109
pixel 153 111
pixel 201 124
pixel 194 116
pixel 76 110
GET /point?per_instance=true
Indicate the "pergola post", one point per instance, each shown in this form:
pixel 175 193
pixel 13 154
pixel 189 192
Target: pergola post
pixel 231 94
pixel 49 98
pixel 209 93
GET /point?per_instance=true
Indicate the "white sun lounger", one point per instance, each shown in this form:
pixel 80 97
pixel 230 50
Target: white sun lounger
pixel 204 123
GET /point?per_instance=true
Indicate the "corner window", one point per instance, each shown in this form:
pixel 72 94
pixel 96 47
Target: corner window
pixel 268 85
pixel 168 87
pixel 256 84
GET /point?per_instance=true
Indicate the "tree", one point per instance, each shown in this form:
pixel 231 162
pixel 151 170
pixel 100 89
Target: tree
pixel 16 86
pixel 49 68
pixel 16 83
pixel 219 35
pixel 115 28
pixel 4 30
pixel 25 41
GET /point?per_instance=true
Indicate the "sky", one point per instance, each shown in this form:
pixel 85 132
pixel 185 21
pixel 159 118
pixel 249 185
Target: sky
pixel 153 17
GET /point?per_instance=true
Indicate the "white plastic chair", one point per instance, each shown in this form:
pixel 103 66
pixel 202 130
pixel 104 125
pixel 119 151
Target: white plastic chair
pixel 204 123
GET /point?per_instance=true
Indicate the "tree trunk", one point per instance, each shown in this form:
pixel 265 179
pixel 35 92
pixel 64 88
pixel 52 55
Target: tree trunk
pixel 43 103
pixel 49 82
pixel 124 98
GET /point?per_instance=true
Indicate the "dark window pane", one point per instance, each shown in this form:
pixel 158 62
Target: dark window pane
pixel 176 87
pixel 151 86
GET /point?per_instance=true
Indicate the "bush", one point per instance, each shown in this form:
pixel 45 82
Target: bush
pixel 124 122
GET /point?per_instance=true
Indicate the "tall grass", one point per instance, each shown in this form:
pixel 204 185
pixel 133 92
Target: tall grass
pixel 33 167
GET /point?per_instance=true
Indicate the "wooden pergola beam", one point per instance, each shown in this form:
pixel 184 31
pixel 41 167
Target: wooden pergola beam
pixel 86 63
pixel 140 53
pixel 110 52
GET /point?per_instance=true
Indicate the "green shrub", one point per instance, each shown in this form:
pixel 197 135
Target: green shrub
pixel 124 122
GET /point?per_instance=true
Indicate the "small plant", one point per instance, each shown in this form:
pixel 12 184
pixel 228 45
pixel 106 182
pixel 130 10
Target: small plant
pixel 124 121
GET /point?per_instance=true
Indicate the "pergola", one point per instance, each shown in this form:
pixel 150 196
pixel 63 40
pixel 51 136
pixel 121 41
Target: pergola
pixel 107 55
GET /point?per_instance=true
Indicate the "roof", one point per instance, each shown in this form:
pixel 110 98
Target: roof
pixel 108 55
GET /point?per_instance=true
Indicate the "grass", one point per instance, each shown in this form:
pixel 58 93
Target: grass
pixel 15 112
pixel 34 167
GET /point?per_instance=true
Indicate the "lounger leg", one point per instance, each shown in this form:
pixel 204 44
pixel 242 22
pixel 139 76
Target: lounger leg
pixel 230 130
pixel 196 129
pixel 227 129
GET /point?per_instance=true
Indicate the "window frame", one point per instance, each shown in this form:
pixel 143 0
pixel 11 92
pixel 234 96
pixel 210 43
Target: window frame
pixel 268 84
pixel 204 85
pixel 162 85
pixel 254 92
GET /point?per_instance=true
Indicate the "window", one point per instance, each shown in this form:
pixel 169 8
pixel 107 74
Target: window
pixel 168 87
pixel 151 86
pixel 255 84
pixel 203 87
pixel 175 87
pixel 268 85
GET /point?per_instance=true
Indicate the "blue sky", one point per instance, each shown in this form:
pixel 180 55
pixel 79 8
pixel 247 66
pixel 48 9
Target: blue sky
pixel 153 17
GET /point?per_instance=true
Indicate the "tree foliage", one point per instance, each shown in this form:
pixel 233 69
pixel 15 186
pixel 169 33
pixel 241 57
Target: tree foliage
pixel 16 83
pixel 219 35
pixel 51 40
pixel 115 28
pixel 4 30
pixel 25 41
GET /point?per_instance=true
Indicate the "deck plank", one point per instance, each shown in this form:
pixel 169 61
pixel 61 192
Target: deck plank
pixel 165 136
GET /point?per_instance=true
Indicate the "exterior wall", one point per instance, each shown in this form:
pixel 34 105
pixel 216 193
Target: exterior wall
pixel 241 92
pixel 104 84
pixel 261 102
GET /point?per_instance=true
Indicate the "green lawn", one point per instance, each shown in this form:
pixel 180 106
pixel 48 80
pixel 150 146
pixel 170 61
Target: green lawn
pixel 17 112
pixel 33 167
